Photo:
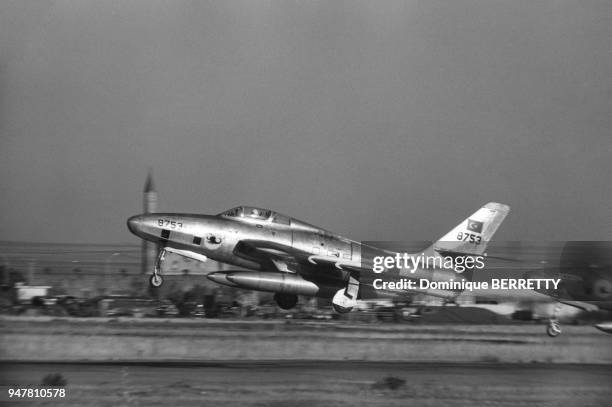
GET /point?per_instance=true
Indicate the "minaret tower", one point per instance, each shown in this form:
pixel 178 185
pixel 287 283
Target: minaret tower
pixel 149 205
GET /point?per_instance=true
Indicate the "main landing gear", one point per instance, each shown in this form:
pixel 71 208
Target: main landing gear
pixel 286 301
pixel 156 280
pixel 346 298
pixel 554 329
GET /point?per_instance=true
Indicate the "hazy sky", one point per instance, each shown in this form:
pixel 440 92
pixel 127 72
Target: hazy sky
pixel 382 120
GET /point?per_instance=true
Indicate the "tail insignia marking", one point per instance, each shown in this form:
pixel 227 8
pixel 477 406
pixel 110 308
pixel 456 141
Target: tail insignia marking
pixel 474 226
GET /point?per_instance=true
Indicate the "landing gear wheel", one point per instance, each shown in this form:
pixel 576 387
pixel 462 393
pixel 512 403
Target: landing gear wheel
pixel 341 310
pixel 156 280
pixel 553 329
pixel 345 299
pixel 286 301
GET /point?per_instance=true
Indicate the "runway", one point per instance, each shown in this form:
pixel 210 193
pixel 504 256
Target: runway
pixel 312 383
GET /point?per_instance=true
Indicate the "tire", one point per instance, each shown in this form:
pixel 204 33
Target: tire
pixel 156 280
pixel 553 330
pixel 286 301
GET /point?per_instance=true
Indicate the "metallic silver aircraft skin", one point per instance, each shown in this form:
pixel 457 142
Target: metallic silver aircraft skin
pixel 290 257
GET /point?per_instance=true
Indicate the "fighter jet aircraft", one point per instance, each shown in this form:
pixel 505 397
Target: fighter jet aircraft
pixel 289 257
pixel 585 270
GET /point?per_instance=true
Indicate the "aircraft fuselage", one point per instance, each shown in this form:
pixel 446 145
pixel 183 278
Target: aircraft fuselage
pixel 217 238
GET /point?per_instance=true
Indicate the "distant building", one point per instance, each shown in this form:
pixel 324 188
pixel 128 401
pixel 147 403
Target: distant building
pixel 25 293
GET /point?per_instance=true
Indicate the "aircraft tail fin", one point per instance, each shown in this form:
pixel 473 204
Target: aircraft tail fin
pixel 472 235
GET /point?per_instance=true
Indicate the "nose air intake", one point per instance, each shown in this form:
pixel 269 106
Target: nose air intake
pixel 133 223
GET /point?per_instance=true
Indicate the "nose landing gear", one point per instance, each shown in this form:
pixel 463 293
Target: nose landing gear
pixel 156 280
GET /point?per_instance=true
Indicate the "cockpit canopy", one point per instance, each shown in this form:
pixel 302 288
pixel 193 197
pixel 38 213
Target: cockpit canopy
pixel 251 212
